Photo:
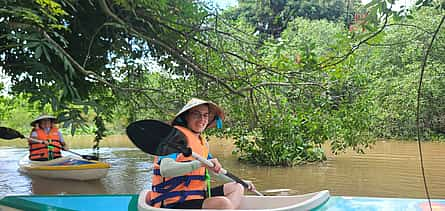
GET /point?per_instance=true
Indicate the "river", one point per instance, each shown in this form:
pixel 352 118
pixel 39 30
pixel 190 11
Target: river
pixel 389 169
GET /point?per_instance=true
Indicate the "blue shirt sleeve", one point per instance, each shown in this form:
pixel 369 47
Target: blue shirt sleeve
pixel 34 134
pixel 172 156
pixel 61 137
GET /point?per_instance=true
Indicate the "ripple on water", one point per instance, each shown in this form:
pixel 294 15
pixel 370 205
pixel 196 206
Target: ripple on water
pixel 11 180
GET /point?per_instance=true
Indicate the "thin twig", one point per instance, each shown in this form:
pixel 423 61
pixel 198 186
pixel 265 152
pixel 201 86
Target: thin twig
pixel 419 94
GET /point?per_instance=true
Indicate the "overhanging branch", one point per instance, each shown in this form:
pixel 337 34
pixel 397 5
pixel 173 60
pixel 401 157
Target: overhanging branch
pixel 172 50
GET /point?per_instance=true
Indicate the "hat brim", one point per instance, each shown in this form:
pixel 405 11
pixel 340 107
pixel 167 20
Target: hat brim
pixel 52 118
pixel 214 110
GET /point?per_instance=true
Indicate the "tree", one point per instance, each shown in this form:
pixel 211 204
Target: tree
pixel 270 18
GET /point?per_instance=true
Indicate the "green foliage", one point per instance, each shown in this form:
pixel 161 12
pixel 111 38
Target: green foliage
pixel 283 140
pixel 99 132
pixel 350 126
pixel 332 110
pixel 270 18
pixel 393 71
pixel 17 113
pixel 288 84
pixel 72 55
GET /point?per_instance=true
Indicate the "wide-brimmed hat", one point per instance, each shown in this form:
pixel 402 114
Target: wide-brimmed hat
pixel 214 110
pixel 41 117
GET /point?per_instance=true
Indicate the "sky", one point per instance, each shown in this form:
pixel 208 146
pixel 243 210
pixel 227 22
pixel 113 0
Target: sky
pixel 397 4
pixel 6 82
pixel 225 3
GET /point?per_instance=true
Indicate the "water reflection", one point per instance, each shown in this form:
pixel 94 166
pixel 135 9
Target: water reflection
pixel 390 169
pixel 48 186
pixel 130 170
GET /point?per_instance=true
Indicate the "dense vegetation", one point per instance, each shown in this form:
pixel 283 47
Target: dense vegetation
pixel 291 75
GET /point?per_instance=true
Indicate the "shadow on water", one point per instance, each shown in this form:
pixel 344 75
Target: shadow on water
pixel 390 169
pixel 52 186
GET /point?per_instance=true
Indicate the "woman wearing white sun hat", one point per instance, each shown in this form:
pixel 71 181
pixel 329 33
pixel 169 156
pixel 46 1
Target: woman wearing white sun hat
pixel 44 129
pixel 181 182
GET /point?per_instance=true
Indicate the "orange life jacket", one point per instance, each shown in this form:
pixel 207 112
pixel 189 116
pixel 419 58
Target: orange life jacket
pixel 168 191
pixel 38 151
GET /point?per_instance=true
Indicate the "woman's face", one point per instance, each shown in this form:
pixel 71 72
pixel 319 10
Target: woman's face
pixel 197 118
pixel 45 123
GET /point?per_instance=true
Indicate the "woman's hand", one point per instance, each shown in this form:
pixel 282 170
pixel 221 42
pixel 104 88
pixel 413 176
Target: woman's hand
pixel 35 141
pixel 216 165
pixel 251 185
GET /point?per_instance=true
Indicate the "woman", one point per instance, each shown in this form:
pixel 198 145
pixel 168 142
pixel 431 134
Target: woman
pixel 181 182
pixel 48 140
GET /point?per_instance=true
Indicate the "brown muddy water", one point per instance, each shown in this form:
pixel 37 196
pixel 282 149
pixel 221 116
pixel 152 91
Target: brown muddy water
pixel 389 169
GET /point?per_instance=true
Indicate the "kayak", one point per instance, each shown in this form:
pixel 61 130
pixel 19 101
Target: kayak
pixel 67 167
pixel 119 202
pixel 259 203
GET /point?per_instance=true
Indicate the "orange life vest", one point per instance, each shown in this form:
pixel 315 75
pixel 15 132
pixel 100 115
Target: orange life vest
pixel 38 151
pixel 168 191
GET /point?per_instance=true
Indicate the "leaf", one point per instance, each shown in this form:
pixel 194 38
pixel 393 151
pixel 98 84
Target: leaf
pixel 38 52
pixel 85 109
pixel 419 2
pixel 73 130
pixel 61 39
pixel 47 56
pixel 31 45
pixel 54 104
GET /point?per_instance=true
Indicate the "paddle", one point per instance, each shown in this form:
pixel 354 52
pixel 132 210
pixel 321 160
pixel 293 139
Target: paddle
pixel 158 138
pixel 9 133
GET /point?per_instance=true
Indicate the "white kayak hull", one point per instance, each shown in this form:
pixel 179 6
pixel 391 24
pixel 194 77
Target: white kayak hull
pixel 259 203
pixel 68 167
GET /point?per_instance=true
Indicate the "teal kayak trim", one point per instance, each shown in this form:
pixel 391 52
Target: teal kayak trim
pixel 346 203
pixel 23 204
pixel 72 202
pixel 119 202
pixel 133 205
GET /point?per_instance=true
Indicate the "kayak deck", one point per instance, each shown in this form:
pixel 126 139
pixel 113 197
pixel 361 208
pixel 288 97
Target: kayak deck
pixel 260 203
pixel 67 167
pixel 129 202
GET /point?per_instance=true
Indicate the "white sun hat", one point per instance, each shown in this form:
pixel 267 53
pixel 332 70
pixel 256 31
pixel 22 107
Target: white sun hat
pixel 41 117
pixel 214 111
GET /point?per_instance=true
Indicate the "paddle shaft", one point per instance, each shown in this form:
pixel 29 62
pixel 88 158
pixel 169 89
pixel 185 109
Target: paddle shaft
pixel 45 142
pixel 225 172
pixel 9 133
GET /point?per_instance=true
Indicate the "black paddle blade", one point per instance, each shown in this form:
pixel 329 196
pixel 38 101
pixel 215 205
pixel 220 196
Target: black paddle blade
pixel 157 138
pixel 9 133
pixel 90 157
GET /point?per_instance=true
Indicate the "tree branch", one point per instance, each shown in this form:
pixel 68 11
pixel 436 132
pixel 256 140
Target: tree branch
pixel 88 73
pixel 277 84
pixel 170 49
pixel 354 48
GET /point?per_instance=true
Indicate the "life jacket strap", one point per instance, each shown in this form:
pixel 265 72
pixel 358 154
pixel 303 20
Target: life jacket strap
pixel 183 196
pixel 35 149
pixel 174 182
